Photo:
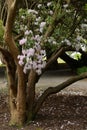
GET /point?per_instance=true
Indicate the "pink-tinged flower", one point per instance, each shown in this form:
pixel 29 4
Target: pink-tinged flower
pixel 39 57
pixel 37 38
pixel 34 65
pixel 21 57
pixel 39 61
pixel 24 52
pixel 31 52
pixel 37 47
pixel 39 66
pixel 21 62
pixel 22 41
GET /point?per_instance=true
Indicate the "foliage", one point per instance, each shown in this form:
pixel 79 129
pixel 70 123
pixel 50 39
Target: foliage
pixel 34 23
pixel 82 70
pixel 1 30
pixel 37 21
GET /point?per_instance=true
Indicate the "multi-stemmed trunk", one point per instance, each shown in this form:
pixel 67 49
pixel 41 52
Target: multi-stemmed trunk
pixel 21 95
pixel 17 97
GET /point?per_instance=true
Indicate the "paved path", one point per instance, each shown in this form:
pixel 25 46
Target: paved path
pixel 53 78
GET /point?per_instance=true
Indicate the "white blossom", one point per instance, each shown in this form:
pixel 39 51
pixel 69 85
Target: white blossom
pixel 77 46
pixel 32 11
pixel 51 12
pixel 67 42
pixel 65 5
pixel 27 32
pixel 23 17
pixel 38 19
pixel 39 5
pixel 83 25
pixel 42 24
pixel 79 38
pixel 49 3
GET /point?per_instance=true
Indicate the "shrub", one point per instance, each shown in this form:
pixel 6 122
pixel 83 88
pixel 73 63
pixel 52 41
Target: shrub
pixel 82 70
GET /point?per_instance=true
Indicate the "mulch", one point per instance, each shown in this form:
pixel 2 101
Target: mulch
pixel 59 112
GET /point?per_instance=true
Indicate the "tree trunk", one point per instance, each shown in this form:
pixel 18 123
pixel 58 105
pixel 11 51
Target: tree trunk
pixel 12 97
pixel 21 96
pixel 17 89
pixel 17 100
pixel 11 75
pixel 32 79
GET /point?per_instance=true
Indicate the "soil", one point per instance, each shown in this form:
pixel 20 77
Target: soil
pixel 59 112
pixel 66 110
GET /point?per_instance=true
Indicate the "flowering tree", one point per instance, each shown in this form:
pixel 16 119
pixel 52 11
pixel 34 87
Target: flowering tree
pixel 39 40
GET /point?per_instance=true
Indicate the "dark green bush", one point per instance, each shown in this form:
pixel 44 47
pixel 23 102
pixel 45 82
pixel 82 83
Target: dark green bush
pixel 82 70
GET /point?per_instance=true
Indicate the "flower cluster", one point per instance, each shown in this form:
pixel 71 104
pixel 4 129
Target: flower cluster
pixel 34 24
pixel 32 57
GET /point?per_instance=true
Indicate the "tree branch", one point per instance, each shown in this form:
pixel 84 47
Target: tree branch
pixel 56 89
pixel 54 57
pixel 8 60
pixel 57 54
pixel 57 16
pixel 8 29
